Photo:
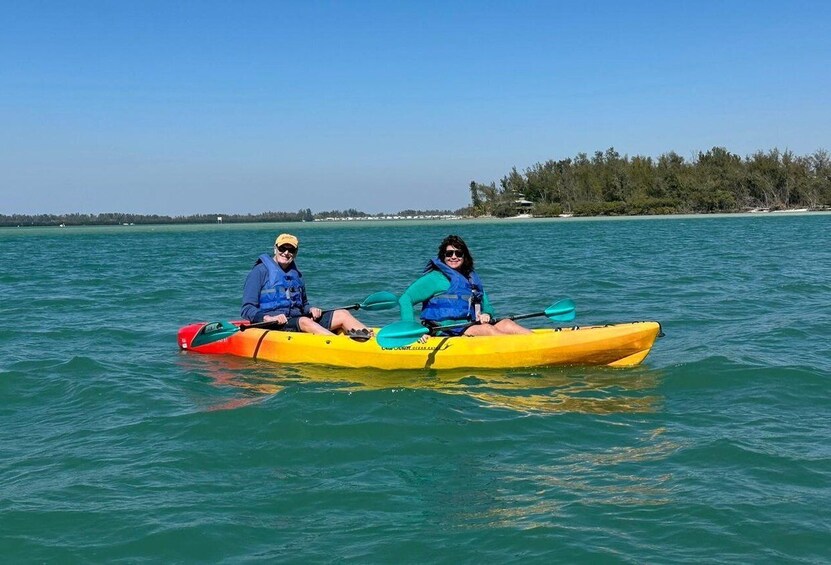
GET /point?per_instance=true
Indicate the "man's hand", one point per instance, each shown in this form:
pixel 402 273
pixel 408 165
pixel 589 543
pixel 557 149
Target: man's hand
pixel 279 318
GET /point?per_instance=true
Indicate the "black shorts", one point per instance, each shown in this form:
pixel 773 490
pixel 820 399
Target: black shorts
pixel 292 325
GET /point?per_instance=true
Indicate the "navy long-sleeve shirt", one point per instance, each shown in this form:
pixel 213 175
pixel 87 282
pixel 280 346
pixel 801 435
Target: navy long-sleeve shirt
pixel 254 283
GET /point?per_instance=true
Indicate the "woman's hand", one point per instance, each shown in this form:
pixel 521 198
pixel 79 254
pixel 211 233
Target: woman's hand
pixel 316 313
pixel 484 318
pixel 424 338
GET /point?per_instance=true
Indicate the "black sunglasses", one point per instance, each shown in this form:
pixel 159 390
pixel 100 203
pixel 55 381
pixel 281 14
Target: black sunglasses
pixel 291 249
pixel 451 252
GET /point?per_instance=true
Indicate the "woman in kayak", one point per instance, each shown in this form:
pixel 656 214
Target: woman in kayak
pixel 274 291
pixel 451 293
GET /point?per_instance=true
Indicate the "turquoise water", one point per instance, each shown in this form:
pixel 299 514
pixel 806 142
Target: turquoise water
pixel 116 446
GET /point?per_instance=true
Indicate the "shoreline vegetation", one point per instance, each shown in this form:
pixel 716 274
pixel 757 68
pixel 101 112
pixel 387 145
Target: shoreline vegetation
pixel 606 184
pixel 116 219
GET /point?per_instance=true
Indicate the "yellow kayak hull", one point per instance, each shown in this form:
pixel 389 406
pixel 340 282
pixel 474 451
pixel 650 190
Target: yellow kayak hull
pixel 616 345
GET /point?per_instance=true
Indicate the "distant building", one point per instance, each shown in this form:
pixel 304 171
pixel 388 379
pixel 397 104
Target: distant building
pixel 522 205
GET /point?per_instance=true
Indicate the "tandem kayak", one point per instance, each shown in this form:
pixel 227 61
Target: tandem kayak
pixel 616 345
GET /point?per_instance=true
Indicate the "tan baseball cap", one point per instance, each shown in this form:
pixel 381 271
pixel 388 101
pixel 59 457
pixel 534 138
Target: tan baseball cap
pixel 286 239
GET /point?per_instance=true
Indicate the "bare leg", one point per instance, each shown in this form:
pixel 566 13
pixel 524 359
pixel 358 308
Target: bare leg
pixel 482 329
pixel 308 325
pixel 503 327
pixel 343 320
pixel 507 326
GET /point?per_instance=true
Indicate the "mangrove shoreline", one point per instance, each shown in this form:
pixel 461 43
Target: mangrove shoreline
pixel 606 184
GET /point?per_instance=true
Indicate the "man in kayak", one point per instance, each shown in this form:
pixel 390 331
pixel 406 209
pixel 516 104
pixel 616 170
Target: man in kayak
pixel 451 293
pixel 274 291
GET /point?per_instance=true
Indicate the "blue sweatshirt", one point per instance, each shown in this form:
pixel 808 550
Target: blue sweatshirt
pixel 254 283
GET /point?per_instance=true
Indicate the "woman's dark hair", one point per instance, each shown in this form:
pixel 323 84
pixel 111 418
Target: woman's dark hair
pixel 458 243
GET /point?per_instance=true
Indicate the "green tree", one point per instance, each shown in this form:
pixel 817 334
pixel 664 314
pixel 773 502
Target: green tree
pixel 475 199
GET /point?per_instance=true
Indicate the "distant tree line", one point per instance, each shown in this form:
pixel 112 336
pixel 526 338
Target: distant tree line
pixel 114 219
pixel 352 213
pixel 604 184
pixel 610 184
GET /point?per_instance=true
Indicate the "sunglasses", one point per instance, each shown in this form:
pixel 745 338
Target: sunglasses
pixel 451 252
pixel 287 249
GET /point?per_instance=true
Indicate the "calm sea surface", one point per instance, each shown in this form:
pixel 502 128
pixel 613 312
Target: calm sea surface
pixel 115 446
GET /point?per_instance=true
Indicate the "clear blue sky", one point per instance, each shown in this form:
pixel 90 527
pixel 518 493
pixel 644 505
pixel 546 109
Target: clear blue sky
pixel 236 107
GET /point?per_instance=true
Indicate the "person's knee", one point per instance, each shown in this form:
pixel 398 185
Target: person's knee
pixel 482 329
pixel 339 317
pixel 511 327
pixel 343 318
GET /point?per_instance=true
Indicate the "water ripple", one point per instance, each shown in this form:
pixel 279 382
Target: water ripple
pixel 117 447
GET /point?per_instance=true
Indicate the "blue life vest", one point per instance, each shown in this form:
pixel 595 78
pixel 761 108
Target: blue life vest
pixel 456 303
pixel 284 291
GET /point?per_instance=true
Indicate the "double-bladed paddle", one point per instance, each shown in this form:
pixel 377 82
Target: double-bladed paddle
pixel 377 301
pixel 216 331
pixel 402 334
